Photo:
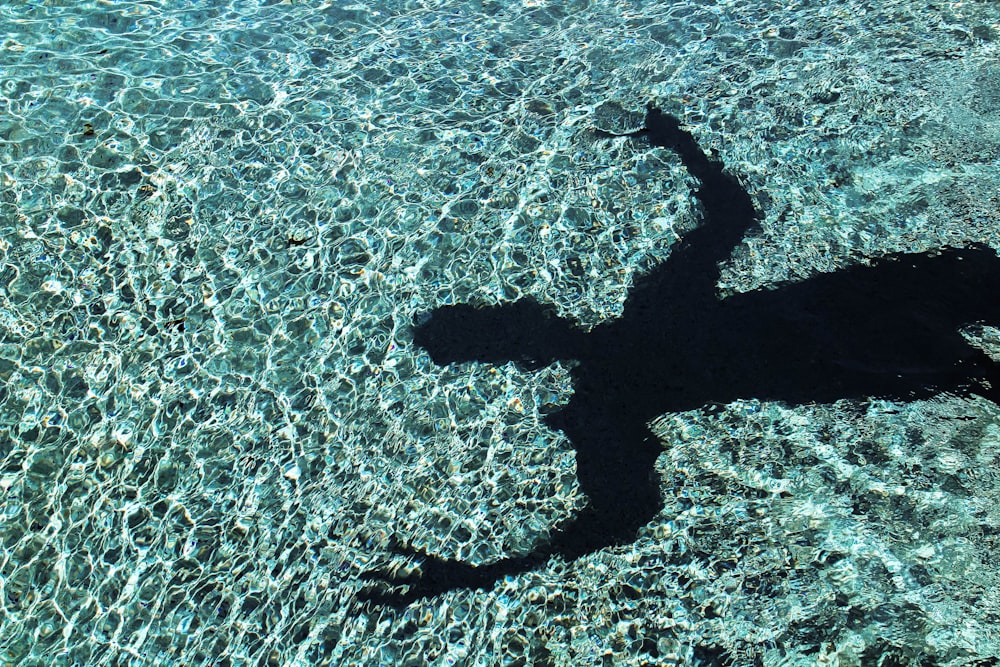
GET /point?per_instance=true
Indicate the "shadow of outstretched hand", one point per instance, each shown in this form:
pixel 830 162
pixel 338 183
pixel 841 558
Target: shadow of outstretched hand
pixel 429 576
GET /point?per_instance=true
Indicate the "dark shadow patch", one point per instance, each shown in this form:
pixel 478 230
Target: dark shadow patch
pixel 887 330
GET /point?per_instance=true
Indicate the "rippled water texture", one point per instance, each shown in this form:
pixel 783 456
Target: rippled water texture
pixel 218 221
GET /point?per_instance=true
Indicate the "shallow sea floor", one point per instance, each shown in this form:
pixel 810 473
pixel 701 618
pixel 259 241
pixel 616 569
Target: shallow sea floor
pixel 217 222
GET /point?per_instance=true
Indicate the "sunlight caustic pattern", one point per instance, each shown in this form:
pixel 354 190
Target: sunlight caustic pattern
pixel 217 221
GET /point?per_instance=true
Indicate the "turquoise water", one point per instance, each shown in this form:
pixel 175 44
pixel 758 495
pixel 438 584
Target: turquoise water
pixel 217 221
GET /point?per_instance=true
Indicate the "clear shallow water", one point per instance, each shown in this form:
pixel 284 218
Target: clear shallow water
pixel 216 223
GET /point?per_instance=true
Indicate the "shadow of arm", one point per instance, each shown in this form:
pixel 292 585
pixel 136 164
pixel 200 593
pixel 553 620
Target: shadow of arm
pixel 692 270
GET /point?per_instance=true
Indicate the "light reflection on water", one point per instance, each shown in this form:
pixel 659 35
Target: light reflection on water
pixel 218 221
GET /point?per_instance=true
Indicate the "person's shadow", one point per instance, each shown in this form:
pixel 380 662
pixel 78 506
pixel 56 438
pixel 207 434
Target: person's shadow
pixel 887 330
